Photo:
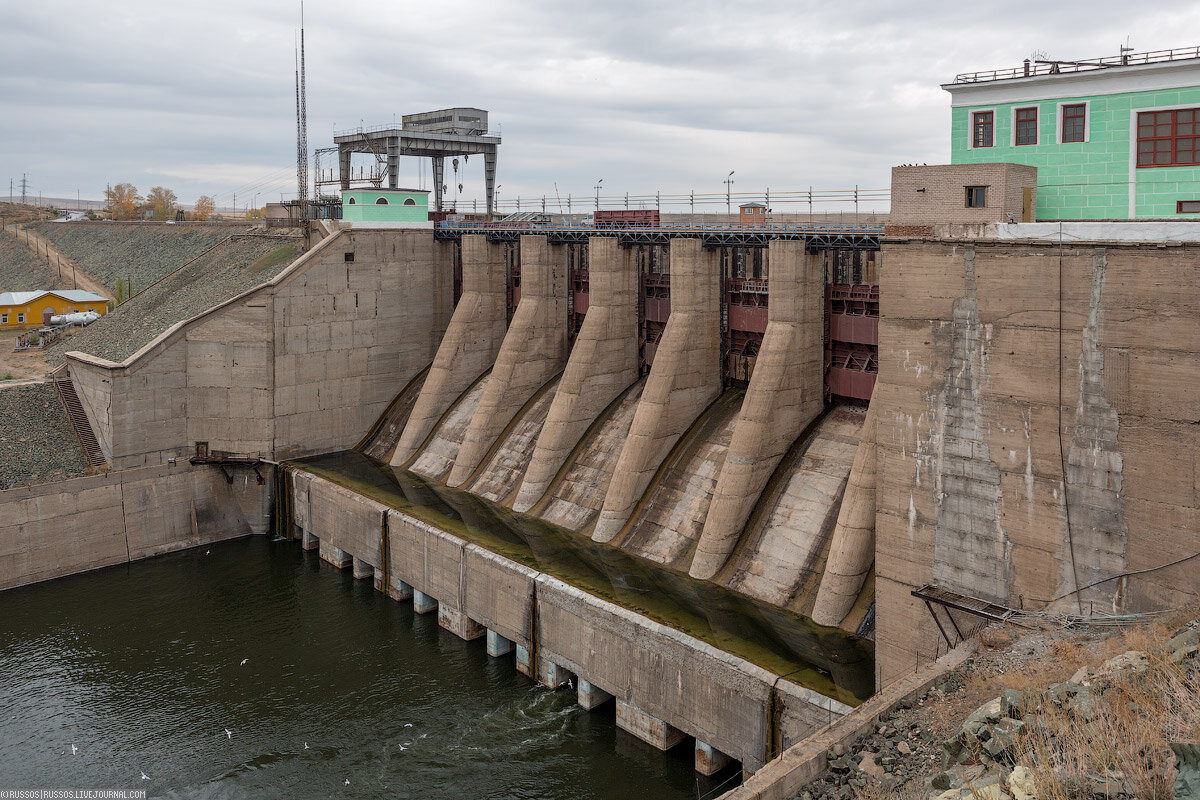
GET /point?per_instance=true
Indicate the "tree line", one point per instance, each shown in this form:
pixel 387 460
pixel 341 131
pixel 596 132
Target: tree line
pixel 160 203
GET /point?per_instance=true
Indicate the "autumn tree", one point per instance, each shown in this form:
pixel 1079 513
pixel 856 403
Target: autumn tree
pixel 161 201
pixel 205 206
pixel 121 201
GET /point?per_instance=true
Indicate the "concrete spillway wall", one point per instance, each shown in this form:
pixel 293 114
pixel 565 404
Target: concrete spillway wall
pixel 1036 431
pixel 656 674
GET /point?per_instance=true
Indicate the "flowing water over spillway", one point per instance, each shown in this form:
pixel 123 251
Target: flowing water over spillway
pixel 829 661
pixel 140 668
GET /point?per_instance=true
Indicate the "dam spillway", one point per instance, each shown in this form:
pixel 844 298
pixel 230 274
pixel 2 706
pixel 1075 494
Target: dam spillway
pixel 573 606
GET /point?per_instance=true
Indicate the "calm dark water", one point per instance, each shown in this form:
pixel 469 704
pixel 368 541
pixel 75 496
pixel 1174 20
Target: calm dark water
pixel 139 667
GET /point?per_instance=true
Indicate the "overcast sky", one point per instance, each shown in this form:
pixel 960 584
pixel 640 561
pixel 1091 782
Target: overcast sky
pixel 652 97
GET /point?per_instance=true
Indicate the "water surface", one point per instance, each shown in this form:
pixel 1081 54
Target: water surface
pixel 140 668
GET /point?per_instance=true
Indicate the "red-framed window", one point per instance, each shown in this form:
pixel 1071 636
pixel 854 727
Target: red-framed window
pixel 1074 122
pixel 982 125
pixel 1168 138
pixel 1027 125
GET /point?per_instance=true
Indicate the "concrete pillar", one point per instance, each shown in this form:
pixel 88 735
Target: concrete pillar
pixel 498 645
pixel 470 345
pixel 534 350
pixel 709 760
pixel 651 730
pixel 423 603
pixel 785 394
pixel 685 379
pixel 397 589
pixel 591 696
pixel 309 542
pixel 852 551
pixel 339 558
pixel 459 623
pixel 551 675
pixel 603 363
pixel 525 662
pixel 362 569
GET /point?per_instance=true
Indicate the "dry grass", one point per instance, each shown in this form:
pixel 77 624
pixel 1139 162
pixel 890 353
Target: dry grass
pixel 1122 749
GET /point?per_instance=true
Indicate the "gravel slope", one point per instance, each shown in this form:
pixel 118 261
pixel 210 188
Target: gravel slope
pixel 142 252
pixel 19 270
pixel 219 275
pixel 36 441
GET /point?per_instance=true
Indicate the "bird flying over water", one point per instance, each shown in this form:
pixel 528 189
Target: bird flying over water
pixel 145 777
pixel 73 749
pixel 306 745
pixel 229 733
pixel 244 660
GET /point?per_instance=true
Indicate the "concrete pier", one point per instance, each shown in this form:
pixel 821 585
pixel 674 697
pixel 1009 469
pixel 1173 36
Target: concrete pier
pixel 459 623
pixel 852 551
pixel 423 603
pixel 335 556
pixel 709 760
pixel 309 542
pixel 469 346
pixel 396 589
pixel 651 730
pixel 603 363
pixel 498 645
pixel 361 569
pixel 685 379
pixel 551 675
pixel 785 394
pixel 591 696
pixel 533 352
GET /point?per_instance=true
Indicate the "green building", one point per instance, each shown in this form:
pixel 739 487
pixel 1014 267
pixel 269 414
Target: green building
pixel 1112 138
pixel 385 208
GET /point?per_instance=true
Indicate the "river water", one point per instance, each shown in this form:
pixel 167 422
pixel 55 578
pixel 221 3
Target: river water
pixel 253 669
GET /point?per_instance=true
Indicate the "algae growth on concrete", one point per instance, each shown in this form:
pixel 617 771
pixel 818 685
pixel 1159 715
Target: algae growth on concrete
pixel 827 660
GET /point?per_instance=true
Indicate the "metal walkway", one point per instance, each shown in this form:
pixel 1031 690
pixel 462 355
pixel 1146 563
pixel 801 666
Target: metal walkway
pixel 79 423
pixel 816 236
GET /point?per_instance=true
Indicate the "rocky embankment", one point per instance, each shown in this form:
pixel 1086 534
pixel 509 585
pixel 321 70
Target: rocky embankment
pixel 37 443
pixel 1115 728
pixel 139 252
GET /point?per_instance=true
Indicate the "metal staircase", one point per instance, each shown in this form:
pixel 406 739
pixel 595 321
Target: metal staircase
pixel 79 422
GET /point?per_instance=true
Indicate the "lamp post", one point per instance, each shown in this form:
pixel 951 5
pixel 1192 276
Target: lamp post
pixel 728 184
pixel 496 198
pixel 597 187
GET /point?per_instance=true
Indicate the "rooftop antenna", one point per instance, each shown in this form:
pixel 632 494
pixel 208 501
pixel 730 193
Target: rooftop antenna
pixel 1125 51
pixel 301 127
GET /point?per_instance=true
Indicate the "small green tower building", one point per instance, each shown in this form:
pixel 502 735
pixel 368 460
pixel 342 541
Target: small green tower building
pixel 386 208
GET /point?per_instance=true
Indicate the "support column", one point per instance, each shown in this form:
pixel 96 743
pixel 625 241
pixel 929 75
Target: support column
pixel 498 645
pixel 439 169
pixel 338 558
pixel 603 363
pixel 393 162
pixel 469 346
pixel 534 350
pixel 551 675
pixel 785 394
pixel 459 623
pixel 344 166
pixel 423 603
pixel 852 551
pixel 709 760
pixel 651 730
pixel 489 176
pixel 397 589
pixel 591 696
pixel 361 569
pixel 685 379
pixel 309 542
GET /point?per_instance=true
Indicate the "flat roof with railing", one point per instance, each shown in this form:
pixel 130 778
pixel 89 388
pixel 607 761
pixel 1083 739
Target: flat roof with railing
pixel 1032 68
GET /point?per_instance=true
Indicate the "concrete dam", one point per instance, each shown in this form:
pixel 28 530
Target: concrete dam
pixel 580 418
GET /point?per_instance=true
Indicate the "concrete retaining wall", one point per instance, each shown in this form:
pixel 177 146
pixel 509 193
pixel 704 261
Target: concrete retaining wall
pixel 718 698
pixel 57 529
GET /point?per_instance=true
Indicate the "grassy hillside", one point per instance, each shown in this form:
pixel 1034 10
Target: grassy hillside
pixel 19 270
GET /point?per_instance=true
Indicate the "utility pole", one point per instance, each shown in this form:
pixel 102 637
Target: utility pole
pixel 597 187
pixel 728 185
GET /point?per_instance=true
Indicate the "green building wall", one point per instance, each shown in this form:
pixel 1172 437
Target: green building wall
pixel 366 208
pixel 1088 180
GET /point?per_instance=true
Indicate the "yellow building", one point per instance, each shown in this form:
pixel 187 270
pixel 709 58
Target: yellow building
pixel 29 308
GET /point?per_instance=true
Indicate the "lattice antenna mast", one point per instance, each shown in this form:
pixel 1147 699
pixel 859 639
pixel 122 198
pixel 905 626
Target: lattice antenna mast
pixel 301 127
